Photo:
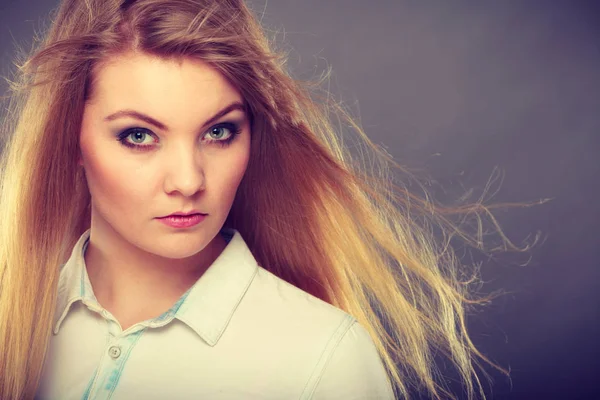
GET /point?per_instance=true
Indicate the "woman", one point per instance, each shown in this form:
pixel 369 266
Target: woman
pixel 179 220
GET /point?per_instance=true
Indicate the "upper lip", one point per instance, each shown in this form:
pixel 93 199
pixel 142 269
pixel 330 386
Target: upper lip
pixel 183 213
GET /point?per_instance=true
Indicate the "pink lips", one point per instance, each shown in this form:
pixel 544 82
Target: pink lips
pixel 182 221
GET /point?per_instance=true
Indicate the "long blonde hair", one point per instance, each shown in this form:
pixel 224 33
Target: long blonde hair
pixel 309 211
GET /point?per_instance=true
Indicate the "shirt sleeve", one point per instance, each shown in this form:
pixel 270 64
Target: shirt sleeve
pixel 354 370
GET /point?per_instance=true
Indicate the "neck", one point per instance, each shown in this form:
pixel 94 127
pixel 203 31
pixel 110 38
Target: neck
pixel 128 280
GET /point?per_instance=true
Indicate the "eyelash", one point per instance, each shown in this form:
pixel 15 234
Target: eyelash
pixel 233 128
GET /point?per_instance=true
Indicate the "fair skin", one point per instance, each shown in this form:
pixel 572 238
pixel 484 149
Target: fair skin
pixel 138 266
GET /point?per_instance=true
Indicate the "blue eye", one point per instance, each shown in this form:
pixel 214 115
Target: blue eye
pixel 217 130
pixel 136 135
pixel 220 129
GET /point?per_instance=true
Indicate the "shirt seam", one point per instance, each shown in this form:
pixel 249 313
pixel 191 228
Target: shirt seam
pixel 326 356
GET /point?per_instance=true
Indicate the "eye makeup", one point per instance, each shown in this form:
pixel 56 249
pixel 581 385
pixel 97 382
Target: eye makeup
pixel 129 136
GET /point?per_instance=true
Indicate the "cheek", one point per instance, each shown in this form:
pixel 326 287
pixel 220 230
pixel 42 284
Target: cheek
pixel 113 184
pixel 228 179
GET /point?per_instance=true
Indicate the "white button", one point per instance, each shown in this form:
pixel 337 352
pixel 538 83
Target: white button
pixel 114 351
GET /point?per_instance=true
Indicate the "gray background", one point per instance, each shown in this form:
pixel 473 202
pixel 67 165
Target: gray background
pixel 465 90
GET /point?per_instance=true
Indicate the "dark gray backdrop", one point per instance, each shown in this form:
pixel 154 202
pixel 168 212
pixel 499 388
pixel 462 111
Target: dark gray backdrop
pixel 460 89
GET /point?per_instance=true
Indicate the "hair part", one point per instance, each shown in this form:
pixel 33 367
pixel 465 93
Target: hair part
pixel 344 233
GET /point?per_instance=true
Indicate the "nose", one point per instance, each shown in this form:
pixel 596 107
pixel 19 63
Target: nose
pixel 184 172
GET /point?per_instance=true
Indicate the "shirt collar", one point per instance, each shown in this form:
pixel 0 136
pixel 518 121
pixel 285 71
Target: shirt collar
pixel 206 307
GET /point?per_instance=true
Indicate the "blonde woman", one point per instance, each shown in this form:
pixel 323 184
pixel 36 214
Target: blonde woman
pixel 179 220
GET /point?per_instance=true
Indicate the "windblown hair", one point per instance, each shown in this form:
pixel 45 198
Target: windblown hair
pixel 310 212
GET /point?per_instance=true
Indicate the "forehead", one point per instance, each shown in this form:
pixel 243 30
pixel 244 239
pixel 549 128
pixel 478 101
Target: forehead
pixel 155 83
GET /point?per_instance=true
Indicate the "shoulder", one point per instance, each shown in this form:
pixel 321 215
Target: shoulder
pixel 292 303
pixel 340 356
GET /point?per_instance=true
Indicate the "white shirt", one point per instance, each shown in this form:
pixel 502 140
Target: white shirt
pixel 239 332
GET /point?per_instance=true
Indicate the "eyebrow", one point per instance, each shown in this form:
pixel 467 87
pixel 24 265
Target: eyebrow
pixel 160 125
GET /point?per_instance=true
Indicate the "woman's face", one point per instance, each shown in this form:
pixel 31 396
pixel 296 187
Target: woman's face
pixel 159 137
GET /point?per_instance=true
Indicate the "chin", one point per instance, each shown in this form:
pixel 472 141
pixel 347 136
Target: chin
pixel 177 253
pixel 176 247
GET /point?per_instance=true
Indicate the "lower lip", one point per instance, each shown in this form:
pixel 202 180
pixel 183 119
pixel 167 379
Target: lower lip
pixel 183 221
